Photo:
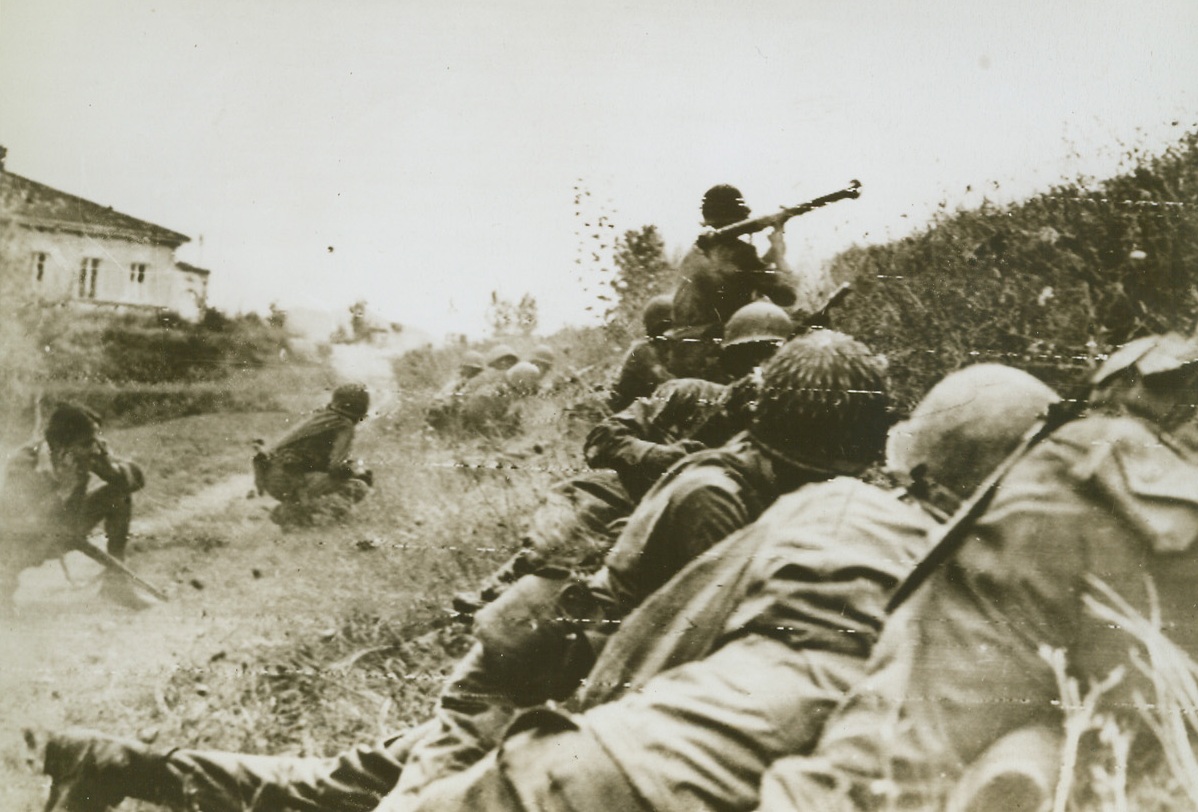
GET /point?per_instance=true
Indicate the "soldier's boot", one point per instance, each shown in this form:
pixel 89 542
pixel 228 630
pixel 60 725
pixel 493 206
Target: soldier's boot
pixel 1019 771
pixel 91 772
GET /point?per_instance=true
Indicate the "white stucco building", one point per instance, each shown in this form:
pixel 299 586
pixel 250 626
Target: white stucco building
pixel 74 250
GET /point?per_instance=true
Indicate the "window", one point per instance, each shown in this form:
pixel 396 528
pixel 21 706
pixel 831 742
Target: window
pixel 39 267
pixel 137 273
pixel 89 269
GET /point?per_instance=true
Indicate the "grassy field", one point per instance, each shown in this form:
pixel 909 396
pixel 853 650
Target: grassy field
pixel 302 642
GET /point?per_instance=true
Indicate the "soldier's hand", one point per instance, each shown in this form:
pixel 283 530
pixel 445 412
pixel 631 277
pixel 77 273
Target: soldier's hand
pixel 777 238
pixel 661 457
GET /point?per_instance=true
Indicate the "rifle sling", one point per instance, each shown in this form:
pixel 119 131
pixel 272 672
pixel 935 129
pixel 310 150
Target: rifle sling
pixel 953 534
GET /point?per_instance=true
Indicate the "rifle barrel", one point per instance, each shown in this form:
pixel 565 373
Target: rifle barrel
pixel 116 565
pixel 755 224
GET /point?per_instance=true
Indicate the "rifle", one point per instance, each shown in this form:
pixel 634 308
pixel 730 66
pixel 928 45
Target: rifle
pixel 116 565
pixel 778 219
pixel 819 316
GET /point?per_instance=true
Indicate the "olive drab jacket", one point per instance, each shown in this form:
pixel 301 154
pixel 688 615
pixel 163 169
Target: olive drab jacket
pixel 641 372
pixel 738 660
pixel 628 442
pixel 316 445
pixel 722 278
pixel 1112 498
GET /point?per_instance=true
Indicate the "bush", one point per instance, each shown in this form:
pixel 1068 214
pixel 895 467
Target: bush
pixel 1048 285
pixel 158 348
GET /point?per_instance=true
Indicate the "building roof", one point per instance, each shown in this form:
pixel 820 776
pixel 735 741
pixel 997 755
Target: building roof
pixel 37 205
pixel 185 266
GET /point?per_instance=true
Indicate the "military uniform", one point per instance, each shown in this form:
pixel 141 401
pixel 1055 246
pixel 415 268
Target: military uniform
pixel 311 463
pixel 50 503
pixel 641 372
pixel 645 439
pixel 736 662
pixel 1110 497
pixel 696 505
pixel 716 282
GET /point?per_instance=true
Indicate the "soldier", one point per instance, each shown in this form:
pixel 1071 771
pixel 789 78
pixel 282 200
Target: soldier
pixel 718 278
pixel 1105 502
pixel 823 413
pixel 445 404
pixel 739 659
pixel 309 470
pixel 50 501
pixel 104 770
pixel 687 415
pixel 489 408
pixel 644 366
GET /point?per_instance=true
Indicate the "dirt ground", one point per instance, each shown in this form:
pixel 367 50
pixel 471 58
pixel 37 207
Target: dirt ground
pixel 234 580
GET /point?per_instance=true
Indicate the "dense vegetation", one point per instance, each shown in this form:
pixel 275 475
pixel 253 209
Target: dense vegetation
pixel 1048 284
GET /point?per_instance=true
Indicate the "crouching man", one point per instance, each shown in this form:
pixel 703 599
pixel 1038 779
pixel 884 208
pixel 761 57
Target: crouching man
pixel 56 490
pixel 310 471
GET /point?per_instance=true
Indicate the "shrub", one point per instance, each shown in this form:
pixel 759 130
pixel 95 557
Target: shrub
pixel 1048 285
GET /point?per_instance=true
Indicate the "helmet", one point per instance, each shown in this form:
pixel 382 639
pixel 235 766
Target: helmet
pixel 823 404
pixel 70 424
pixel 967 423
pixel 523 377
pixel 1154 378
pixel 723 205
pixel 501 357
pixel 758 321
pixel 543 356
pixel 472 361
pixel 1149 356
pixel 659 314
pixel 351 400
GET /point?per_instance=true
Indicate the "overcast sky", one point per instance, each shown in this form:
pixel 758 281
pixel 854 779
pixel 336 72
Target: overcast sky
pixel 421 154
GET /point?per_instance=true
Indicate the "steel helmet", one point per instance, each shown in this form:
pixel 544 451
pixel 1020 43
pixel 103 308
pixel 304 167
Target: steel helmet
pixel 1155 378
pixel 351 400
pixel 523 377
pixel 70 424
pixel 659 314
pixel 723 205
pixel 472 361
pixel 1152 355
pixel 758 321
pixel 543 356
pixel 967 424
pixel 823 404
pixel 501 357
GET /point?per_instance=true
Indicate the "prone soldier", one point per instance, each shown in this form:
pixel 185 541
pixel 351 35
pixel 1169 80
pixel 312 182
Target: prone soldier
pixel 1105 505
pixel 644 367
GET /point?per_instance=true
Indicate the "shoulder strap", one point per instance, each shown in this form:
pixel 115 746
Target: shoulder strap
pixel 952 534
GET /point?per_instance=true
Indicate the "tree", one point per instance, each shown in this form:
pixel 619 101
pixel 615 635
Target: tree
pixel 358 323
pixel 501 315
pixel 526 314
pixel 642 272
pixel 277 317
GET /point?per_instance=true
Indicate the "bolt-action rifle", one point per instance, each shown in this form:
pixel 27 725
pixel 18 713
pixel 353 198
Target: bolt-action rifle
pixel 777 219
pixel 116 565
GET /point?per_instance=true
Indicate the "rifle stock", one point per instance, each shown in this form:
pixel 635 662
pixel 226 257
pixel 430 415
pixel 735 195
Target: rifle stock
pixel 776 220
